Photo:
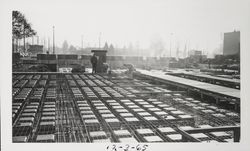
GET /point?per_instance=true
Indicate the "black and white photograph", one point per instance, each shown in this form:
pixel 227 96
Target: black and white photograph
pixel 125 74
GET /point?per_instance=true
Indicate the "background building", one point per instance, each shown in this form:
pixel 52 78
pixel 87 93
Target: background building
pixel 196 56
pixel 35 49
pixel 231 43
pixel 195 53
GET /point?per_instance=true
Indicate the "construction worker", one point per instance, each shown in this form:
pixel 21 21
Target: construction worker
pixel 93 61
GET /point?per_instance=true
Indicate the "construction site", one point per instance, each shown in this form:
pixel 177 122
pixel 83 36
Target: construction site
pixel 123 92
pixel 142 107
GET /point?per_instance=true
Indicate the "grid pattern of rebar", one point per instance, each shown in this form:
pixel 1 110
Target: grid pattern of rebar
pixel 96 108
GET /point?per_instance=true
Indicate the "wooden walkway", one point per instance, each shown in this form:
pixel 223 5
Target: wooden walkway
pixel 225 91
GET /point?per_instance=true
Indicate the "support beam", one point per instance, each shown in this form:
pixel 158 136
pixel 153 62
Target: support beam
pixel 186 136
pixel 235 129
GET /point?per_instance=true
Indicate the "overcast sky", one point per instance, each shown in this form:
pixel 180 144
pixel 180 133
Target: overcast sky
pixel 199 23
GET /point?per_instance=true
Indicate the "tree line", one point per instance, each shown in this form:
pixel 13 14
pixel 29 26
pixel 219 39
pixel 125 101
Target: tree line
pixel 21 29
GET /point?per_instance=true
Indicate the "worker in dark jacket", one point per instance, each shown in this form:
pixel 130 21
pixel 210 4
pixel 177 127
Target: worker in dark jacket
pixel 94 63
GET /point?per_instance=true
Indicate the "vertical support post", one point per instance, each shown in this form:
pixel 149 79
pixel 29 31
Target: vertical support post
pixel 217 101
pixel 236 107
pixel 183 138
pixel 237 135
pixel 202 96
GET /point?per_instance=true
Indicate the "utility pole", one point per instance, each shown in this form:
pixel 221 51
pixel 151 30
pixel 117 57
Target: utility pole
pixel 53 40
pixel 177 49
pixel 48 44
pixel 37 40
pixel 100 40
pixel 82 42
pixel 185 51
pixel 44 50
pixel 170 43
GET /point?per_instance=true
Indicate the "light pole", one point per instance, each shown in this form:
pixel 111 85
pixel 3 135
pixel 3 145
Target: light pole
pixel 82 41
pixel 53 40
pixel 170 43
pixel 43 44
pixel 48 44
pixel 100 40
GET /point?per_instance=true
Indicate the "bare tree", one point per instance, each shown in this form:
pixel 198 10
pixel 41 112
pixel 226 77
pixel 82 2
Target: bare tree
pixel 72 48
pixel 20 28
pixel 106 46
pixel 17 20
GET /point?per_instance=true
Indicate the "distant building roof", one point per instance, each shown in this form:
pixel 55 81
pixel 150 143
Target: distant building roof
pixel 99 50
